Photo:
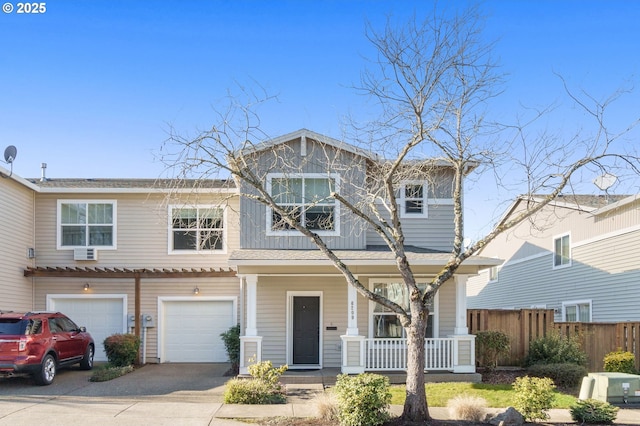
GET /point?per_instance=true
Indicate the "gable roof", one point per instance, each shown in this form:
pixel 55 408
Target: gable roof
pixel 583 202
pixel 304 134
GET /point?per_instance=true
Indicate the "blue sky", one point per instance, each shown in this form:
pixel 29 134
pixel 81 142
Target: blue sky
pixel 90 87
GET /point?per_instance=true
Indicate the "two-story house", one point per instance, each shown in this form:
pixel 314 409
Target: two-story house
pixel 580 256
pixel 185 260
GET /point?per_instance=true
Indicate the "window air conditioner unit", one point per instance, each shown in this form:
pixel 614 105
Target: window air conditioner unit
pixel 85 254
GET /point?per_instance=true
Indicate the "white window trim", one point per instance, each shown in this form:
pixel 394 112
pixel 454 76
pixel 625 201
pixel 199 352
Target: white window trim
pixel 372 306
pixel 553 251
pixel 497 269
pixel 576 303
pixel 425 199
pixel 294 232
pixel 60 202
pixel 170 249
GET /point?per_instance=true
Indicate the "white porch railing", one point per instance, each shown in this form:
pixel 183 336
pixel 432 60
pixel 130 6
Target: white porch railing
pixel 391 354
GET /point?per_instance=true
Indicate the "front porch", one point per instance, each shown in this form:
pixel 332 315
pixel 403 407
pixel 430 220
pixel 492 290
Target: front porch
pixel 379 349
pixel 327 377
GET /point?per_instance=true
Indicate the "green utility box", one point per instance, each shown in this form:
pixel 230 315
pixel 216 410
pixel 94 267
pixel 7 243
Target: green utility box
pixel 615 388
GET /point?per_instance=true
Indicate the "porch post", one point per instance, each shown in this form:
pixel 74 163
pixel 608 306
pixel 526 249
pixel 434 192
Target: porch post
pixel 352 308
pixel 464 350
pixel 461 305
pixel 250 342
pixel 352 342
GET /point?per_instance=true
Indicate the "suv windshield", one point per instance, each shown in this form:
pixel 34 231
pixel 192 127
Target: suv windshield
pixel 13 326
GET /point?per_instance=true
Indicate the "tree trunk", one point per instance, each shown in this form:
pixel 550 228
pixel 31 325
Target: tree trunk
pixel 415 405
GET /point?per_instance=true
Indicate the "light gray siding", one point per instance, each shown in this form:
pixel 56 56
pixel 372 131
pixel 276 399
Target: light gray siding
pixel 16 237
pixel 434 232
pixel 604 269
pixel 288 159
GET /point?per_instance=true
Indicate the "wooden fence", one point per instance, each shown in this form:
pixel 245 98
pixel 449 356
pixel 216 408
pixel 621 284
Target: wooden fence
pixel 524 325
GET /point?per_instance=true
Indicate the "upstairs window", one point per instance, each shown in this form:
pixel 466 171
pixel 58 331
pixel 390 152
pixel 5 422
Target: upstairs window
pixel 86 224
pixel 413 199
pixel 385 323
pixel 307 198
pixel 196 229
pixel 562 251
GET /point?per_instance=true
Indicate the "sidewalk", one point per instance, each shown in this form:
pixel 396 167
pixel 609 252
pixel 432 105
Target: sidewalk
pixel 301 405
pixel 169 394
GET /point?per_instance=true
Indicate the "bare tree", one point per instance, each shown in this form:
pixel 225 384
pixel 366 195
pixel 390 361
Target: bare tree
pixel 432 81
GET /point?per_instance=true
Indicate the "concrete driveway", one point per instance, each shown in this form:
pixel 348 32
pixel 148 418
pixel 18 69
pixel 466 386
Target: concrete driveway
pixel 158 394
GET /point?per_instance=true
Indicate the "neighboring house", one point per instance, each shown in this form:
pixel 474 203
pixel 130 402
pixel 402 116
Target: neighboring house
pixel 17 208
pixel 579 256
pixel 197 259
pixel 102 249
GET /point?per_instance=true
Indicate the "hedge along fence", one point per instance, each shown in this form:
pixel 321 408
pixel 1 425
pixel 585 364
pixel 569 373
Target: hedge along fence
pixel 524 325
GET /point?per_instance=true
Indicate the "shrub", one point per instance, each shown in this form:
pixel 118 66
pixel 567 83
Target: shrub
pixel 231 339
pixel 263 388
pixel 593 411
pixel 555 349
pixel 251 391
pixel 566 376
pixel 266 372
pixel 533 397
pixel 363 399
pixel 121 349
pixel 620 362
pixel 467 407
pixel 490 345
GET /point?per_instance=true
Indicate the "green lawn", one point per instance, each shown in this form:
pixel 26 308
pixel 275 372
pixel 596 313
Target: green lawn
pixel 497 396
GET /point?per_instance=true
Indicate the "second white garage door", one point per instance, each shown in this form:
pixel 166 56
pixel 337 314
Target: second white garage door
pixel 191 329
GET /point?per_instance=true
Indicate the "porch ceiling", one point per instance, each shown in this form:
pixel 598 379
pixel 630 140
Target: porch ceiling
pixel 370 261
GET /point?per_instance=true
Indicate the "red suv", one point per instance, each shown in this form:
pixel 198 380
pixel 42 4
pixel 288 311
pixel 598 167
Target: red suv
pixel 37 343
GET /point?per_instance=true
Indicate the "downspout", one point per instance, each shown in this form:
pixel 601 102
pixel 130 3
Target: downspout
pixel 137 312
pixel 33 241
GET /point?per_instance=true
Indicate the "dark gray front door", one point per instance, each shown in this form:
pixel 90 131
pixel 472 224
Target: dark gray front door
pixel 306 330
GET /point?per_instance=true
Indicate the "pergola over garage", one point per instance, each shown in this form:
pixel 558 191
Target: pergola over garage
pixel 137 275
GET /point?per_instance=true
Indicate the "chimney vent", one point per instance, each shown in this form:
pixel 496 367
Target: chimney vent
pixel 44 174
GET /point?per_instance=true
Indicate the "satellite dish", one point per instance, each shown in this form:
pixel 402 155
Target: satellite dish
pixel 10 154
pixel 605 181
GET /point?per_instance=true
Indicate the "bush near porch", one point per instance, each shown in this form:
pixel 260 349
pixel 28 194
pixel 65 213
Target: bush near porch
pixel 263 387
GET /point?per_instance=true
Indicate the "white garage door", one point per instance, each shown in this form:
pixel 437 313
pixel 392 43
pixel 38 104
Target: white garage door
pixel 192 330
pixel 101 316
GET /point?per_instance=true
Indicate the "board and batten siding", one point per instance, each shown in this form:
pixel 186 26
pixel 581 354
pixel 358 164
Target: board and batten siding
pixel 16 237
pixel 348 166
pixel 142 234
pixel 151 291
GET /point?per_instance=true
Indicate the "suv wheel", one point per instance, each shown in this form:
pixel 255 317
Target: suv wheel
pixel 47 371
pixel 87 361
